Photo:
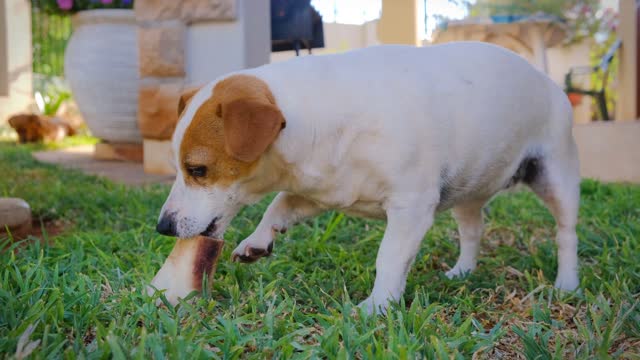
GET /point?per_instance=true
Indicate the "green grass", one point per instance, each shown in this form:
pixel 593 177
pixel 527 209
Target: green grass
pixel 81 294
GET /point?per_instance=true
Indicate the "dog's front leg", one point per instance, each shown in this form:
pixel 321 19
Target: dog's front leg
pixel 405 230
pixel 285 211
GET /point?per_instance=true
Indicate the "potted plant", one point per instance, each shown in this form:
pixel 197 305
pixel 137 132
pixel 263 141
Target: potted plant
pixel 101 65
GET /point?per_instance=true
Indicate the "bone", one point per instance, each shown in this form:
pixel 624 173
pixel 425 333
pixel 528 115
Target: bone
pixel 185 267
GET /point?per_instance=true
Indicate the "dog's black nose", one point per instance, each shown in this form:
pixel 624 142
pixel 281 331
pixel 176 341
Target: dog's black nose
pixel 167 226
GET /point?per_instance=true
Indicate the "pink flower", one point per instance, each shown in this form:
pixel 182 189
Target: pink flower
pixel 106 2
pixel 65 4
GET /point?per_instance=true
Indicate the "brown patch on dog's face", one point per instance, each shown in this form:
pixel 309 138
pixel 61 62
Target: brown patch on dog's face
pixel 229 132
pixel 222 156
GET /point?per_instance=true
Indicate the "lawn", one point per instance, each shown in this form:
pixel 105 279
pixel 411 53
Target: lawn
pixel 80 294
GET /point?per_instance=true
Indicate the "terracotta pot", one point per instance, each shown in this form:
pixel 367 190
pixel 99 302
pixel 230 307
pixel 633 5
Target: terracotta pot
pixel 101 66
pixel 575 99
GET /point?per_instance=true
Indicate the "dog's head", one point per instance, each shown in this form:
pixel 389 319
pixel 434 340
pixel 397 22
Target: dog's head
pixel 220 144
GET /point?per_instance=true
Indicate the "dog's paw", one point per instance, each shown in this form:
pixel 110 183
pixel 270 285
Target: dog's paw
pixel 567 281
pixel 457 272
pixel 248 254
pixel 461 269
pixel 372 306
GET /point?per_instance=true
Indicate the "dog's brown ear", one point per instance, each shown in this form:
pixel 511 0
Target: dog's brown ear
pixel 185 97
pixel 250 126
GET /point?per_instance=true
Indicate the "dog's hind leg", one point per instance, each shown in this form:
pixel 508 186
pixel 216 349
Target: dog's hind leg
pixel 470 227
pixel 557 183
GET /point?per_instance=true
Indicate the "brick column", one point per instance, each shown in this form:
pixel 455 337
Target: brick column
pixel 627 104
pixel 399 22
pixel 190 43
pixel 162 48
pixel 162 43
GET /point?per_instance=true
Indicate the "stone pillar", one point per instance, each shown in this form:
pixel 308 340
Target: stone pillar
pixel 539 48
pixel 190 43
pixel 399 22
pixel 16 91
pixel 627 104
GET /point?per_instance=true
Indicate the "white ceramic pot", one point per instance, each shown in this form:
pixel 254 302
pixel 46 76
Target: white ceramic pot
pixel 101 66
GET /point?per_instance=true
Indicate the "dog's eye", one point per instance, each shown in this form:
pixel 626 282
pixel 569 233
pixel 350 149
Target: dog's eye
pixel 197 171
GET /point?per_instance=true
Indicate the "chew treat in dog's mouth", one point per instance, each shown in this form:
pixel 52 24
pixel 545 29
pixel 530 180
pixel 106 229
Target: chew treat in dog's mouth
pixel 206 258
pixel 184 269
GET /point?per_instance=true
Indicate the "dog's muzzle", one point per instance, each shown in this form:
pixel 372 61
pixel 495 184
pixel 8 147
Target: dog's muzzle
pixel 167 225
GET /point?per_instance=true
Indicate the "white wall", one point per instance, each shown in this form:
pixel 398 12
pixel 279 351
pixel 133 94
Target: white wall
pixel 215 48
pixel 212 49
pixel 560 59
pixel 15 48
pixel 338 38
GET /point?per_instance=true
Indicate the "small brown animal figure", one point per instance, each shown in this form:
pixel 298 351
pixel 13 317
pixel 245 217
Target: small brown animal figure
pixel 36 128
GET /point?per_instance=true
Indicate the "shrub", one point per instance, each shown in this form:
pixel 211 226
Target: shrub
pixel 73 6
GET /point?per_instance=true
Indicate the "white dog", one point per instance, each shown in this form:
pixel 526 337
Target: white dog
pixel 389 132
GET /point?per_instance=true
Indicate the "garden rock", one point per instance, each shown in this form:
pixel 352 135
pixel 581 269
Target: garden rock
pixel 35 128
pixel 15 214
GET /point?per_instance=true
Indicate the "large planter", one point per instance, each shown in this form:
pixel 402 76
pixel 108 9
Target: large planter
pixel 101 66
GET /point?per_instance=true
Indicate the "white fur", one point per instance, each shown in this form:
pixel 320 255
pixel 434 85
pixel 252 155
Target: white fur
pixel 375 132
